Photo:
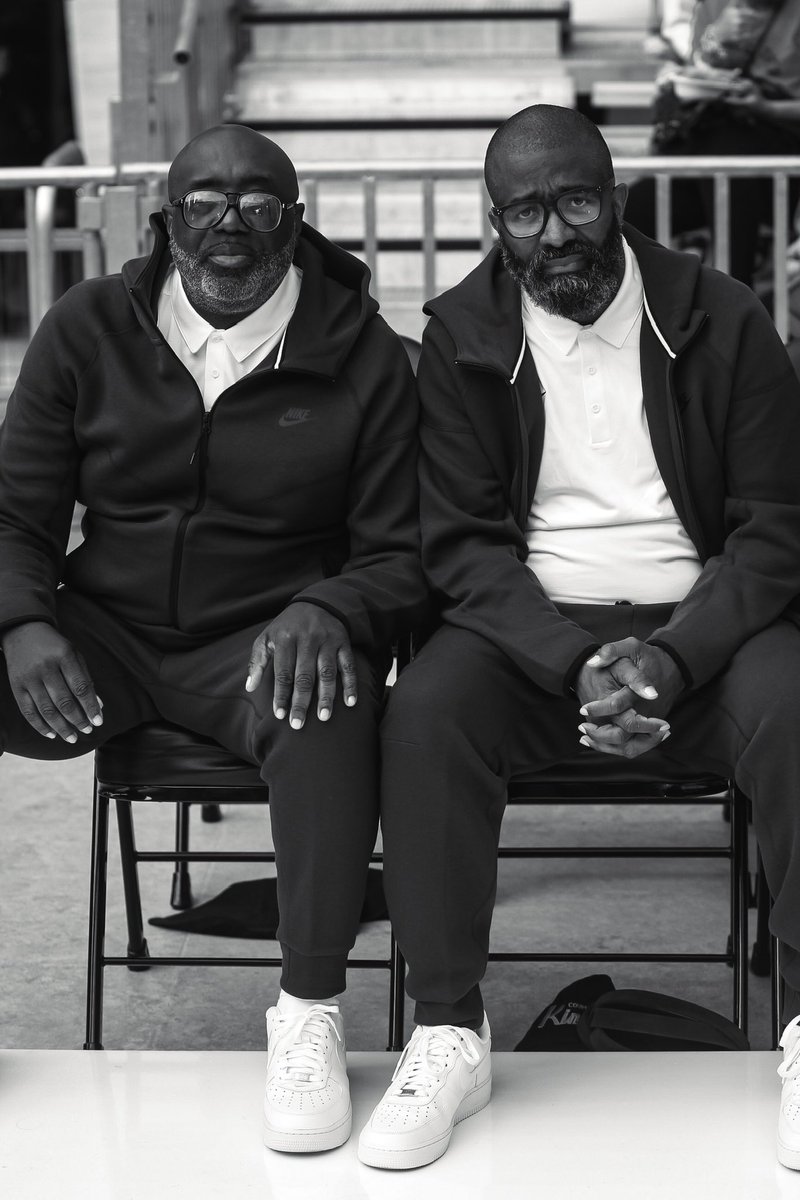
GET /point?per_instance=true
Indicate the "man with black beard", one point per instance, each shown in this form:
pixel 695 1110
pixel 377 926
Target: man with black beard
pixel 240 425
pixel 611 525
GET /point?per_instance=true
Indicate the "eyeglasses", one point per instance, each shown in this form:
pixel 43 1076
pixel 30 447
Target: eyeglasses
pixel 578 206
pixel 203 209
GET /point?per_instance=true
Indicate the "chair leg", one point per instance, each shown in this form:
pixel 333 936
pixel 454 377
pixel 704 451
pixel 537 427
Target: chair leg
pixel 97 922
pixel 775 991
pixel 397 997
pixel 181 896
pixel 760 961
pixel 211 813
pixel 739 898
pixel 137 942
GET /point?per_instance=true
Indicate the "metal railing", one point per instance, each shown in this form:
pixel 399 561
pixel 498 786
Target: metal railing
pixel 396 206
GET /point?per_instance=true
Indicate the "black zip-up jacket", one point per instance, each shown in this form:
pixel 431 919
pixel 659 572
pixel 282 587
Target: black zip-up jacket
pixel 300 484
pixel 723 409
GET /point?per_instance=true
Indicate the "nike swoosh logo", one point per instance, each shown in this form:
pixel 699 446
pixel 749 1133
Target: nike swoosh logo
pixel 284 421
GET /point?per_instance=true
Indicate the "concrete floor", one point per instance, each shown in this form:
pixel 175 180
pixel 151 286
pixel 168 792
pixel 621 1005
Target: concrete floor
pixel 542 905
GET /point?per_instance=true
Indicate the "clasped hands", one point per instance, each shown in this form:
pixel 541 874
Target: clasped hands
pixel 626 689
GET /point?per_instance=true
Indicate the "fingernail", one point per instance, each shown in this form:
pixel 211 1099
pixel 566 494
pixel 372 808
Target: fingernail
pixel 324 714
pixel 97 720
pixel 50 735
pixel 584 711
pixel 650 693
pixel 100 702
pixel 296 723
pixel 594 661
pixel 665 735
pixel 248 687
pixel 85 728
pixel 280 713
pixel 584 741
pixel 582 728
pixel 350 701
pixel 73 737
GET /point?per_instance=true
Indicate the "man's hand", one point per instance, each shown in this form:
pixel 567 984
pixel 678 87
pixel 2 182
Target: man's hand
pixel 50 681
pixel 613 684
pixel 307 645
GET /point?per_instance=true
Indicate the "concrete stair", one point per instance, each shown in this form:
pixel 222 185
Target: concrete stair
pixel 391 81
pixel 361 65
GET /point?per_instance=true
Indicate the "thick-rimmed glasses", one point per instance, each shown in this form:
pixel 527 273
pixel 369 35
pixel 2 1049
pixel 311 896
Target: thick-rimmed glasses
pixel 205 208
pixel 578 206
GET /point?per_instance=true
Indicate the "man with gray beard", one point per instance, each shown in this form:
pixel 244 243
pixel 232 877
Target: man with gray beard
pixel 610 507
pixel 240 425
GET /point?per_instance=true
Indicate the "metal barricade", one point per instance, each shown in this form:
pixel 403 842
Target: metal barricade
pixel 420 209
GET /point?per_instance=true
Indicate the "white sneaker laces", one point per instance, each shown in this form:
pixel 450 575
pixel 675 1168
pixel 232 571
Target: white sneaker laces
pixel 422 1062
pixel 304 1060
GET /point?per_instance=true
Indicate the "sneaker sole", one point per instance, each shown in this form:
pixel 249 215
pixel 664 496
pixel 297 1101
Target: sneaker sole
pixel 788 1157
pixel 308 1141
pixel 422 1156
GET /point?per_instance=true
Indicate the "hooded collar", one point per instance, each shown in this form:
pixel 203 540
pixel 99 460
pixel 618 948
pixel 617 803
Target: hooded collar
pixel 333 306
pixel 483 315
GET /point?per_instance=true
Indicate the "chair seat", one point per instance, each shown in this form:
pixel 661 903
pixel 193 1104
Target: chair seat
pixel 159 752
pixel 647 777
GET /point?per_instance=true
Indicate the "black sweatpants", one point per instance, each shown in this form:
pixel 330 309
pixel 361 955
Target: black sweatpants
pixel 462 720
pixel 323 779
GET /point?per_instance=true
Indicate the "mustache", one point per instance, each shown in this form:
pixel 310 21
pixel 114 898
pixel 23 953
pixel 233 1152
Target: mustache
pixel 548 254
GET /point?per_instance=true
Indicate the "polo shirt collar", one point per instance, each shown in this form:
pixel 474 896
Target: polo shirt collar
pixel 613 326
pixel 247 335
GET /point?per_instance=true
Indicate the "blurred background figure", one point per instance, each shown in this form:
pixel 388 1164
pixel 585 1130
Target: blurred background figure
pixel 736 91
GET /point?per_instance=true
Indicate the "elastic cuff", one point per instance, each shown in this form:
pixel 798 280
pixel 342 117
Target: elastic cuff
pixel 572 673
pixel 676 658
pixel 310 977
pixel 328 608
pixel 466 1013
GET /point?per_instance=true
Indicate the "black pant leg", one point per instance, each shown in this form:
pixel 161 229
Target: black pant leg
pixel 746 723
pixel 323 795
pixel 461 721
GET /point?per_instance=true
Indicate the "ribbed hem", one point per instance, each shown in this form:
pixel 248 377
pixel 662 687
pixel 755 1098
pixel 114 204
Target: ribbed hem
pixel 466 1013
pixel 309 977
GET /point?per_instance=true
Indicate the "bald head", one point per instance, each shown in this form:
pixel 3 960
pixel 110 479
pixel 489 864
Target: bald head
pixel 225 154
pixel 540 128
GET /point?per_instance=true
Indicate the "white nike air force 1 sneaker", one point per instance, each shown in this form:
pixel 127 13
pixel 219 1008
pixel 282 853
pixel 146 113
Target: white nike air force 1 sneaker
pixel 307 1100
pixel 789 1115
pixel 444 1075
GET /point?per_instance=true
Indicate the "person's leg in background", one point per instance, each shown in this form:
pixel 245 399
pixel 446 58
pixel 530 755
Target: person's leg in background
pixel 746 723
pixel 323 805
pixel 693 200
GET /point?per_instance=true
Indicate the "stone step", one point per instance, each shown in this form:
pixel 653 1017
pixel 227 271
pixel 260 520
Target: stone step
pixel 347 40
pixel 308 146
pixel 437 93
pixel 275 11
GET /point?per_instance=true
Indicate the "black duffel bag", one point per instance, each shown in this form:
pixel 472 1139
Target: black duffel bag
pixel 631 1019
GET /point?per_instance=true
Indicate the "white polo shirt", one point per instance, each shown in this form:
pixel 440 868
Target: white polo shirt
pixel 218 357
pixel 601 526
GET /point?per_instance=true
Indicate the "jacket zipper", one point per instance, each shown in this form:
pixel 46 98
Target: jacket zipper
pixel 199 454
pixel 520 509
pixel 524 449
pixel 694 528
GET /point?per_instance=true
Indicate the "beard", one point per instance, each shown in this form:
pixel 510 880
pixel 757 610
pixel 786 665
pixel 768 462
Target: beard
pixel 226 290
pixel 577 295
